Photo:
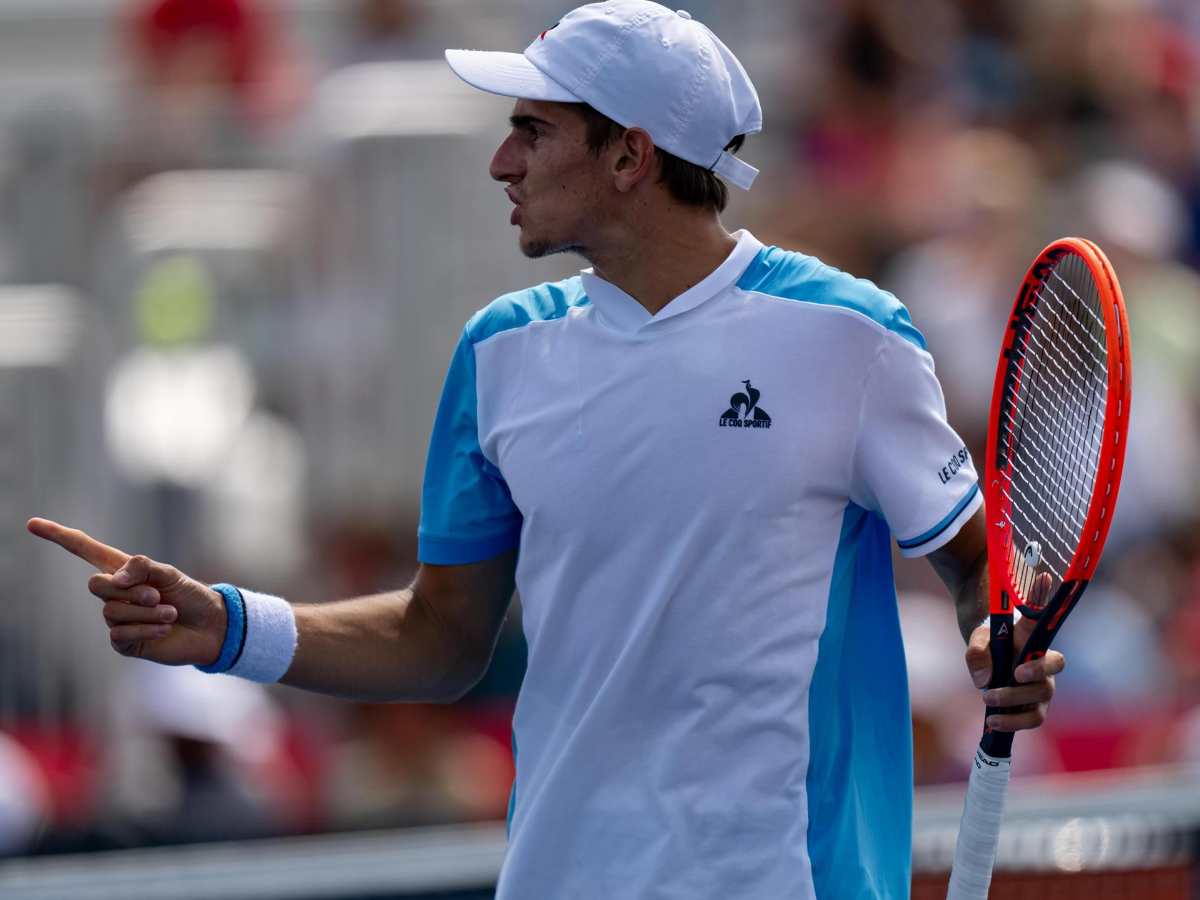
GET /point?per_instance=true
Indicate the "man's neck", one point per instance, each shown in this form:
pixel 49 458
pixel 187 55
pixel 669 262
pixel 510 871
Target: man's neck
pixel 656 262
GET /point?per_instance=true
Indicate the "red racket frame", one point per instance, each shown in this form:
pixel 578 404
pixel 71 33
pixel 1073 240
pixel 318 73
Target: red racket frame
pixel 1003 595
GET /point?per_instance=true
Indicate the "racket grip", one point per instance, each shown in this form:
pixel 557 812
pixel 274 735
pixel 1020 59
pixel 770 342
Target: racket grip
pixel 979 831
pixel 998 744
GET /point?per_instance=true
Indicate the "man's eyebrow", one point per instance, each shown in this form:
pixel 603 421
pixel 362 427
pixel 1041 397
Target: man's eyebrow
pixel 526 121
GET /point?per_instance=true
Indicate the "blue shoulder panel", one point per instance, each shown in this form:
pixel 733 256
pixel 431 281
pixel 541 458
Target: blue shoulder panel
pixel 467 512
pixel 536 304
pixel 794 276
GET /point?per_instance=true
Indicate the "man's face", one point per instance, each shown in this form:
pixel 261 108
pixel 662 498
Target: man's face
pixel 557 185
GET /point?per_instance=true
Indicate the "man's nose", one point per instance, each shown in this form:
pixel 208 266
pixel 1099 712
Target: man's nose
pixel 505 162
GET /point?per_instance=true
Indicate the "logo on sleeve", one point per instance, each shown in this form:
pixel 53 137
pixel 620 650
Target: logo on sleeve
pixel 956 462
pixel 744 411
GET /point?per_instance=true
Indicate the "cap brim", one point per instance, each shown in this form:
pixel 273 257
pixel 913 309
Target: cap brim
pixel 506 74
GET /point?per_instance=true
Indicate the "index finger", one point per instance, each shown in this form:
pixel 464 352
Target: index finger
pixel 87 548
pixel 1040 669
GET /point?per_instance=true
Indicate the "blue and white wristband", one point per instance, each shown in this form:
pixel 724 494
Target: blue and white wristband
pixel 260 636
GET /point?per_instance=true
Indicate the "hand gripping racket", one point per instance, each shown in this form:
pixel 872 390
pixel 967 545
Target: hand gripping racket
pixel 1055 448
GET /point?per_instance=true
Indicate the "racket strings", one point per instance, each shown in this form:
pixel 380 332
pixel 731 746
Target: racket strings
pixel 1054 415
pixel 1032 503
pixel 1092 439
pixel 1059 381
pixel 1074 495
pixel 1059 386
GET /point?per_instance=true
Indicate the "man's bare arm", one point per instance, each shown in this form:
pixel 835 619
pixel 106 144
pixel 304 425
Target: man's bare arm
pixel 431 641
pixel 962 565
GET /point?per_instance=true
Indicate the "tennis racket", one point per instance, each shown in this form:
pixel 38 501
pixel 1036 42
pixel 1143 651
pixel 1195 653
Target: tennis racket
pixel 1055 449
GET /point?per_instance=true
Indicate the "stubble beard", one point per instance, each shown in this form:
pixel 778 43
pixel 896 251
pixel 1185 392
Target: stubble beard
pixel 538 249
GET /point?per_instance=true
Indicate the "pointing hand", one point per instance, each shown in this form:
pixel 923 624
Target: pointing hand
pixel 153 610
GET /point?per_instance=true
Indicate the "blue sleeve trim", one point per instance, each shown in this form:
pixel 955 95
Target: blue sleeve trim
pixel 442 552
pixel 942 525
pixel 235 630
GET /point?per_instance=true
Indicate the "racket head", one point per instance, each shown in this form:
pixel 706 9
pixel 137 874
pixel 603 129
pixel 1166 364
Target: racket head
pixel 1057 433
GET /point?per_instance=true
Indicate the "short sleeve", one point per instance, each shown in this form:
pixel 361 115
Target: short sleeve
pixel 467 512
pixel 909 464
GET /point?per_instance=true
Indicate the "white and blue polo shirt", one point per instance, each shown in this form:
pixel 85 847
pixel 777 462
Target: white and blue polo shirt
pixel 703 499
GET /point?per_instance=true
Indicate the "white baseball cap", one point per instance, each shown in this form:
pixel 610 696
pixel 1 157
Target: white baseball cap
pixel 641 65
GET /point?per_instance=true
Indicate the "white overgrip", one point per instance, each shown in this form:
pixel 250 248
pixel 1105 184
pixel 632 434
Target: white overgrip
pixel 979 831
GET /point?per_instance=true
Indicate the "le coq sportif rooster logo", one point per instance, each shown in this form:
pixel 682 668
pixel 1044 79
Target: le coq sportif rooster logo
pixel 744 411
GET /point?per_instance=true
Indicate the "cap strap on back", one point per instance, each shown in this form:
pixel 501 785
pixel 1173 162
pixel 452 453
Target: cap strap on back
pixel 734 170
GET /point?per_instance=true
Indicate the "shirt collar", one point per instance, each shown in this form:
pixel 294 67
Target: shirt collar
pixel 621 312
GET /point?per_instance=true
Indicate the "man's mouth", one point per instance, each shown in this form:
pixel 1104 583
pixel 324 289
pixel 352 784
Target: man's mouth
pixel 514 219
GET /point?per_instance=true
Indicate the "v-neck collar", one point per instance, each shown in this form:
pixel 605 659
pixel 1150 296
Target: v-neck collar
pixel 620 312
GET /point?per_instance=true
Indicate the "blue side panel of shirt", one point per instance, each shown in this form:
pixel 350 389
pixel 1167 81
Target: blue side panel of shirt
pixel 467 512
pixel 859 783
pixel 794 276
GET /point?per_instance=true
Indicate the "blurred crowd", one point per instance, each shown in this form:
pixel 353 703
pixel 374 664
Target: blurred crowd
pixel 224 268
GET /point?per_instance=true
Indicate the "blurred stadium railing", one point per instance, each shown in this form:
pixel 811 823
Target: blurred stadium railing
pixel 1114 834
pixel 1110 835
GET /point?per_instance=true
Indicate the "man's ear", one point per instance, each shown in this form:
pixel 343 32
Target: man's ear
pixel 633 159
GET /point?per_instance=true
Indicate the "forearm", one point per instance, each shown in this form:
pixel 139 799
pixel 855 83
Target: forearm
pixel 971 599
pixel 380 648
pixel 962 566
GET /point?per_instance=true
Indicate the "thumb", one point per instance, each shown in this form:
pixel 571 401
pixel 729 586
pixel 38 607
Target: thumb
pixel 978 657
pixel 1022 628
pixel 141 570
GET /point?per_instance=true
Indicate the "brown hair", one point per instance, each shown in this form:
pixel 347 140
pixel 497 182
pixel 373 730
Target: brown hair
pixel 686 182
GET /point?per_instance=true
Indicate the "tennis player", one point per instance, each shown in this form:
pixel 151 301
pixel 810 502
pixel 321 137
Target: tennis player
pixel 691 459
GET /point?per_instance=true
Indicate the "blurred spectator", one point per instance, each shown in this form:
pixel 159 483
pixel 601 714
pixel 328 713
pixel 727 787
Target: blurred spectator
pixel 945 710
pixel 196 758
pixel 208 77
pixel 1114 626
pixel 1183 637
pixel 386 30
pixel 870 99
pixel 960 284
pixel 989 77
pixel 410 764
pixel 1139 218
pixel 24 800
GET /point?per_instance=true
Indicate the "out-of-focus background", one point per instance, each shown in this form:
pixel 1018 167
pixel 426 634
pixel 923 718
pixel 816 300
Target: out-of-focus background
pixel 238 239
